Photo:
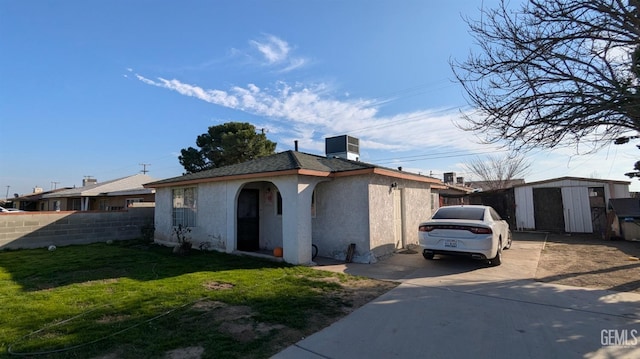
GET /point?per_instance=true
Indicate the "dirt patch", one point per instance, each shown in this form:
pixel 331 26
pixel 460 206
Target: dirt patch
pixel 218 286
pixel 358 293
pixel 239 322
pixel 242 324
pixel 588 261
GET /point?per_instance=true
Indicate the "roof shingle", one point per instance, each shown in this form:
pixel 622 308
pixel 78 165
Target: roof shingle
pixel 283 161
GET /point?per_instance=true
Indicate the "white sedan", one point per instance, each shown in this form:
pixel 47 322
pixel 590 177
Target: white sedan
pixel 470 230
pixel 10 210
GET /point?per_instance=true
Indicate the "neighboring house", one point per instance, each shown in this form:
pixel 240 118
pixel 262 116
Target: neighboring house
pixel 626 218
pixel 567 204
pixel 34 201
pixel 293 200
pixel 111 195
pixel 454 194
pixel 493 185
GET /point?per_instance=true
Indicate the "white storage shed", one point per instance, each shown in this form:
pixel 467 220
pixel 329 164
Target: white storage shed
pixel 567 204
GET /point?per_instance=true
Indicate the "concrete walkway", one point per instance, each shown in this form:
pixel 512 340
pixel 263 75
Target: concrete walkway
pixel 457 308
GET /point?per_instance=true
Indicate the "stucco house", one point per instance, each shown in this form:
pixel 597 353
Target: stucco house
pixel 34 201
pixel 454 194
pixel 110 195
pixel 292 200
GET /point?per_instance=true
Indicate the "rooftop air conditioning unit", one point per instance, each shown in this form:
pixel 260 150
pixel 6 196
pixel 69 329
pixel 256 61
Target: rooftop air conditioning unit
pixel 449 177
pixel 343 147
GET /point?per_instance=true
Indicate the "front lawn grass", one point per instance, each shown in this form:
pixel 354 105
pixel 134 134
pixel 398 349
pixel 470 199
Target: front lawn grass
pixel 133 299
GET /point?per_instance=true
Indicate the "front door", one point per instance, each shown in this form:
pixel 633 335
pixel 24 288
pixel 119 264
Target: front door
pixel 248 220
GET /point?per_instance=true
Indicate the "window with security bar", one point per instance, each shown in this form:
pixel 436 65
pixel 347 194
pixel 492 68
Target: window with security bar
pixel 184 207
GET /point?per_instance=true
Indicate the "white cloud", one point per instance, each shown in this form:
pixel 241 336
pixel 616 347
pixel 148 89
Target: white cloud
pixel 294 63
pixel 276 51
pixel 217 97
pixel 273 48
pixel 309 112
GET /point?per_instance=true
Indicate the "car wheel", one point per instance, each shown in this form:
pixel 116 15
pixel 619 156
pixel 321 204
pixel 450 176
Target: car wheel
pixel 427 255
pixel 509 241
pixel 497 260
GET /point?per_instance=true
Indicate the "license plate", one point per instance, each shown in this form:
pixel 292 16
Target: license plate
pixel 451 243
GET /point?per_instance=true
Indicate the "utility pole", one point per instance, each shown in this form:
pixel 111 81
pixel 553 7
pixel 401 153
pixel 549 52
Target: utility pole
pixel 144 167
pixel 6 197
pixel 54 185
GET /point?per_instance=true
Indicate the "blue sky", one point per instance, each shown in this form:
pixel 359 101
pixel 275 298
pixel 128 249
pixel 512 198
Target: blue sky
pixel 95 88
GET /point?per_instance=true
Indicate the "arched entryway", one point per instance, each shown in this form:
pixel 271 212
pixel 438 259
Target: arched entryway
pixel 258 217
pixel 283 215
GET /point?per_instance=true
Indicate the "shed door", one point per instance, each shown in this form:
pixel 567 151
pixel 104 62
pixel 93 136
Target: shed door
pixel 248 220
pixel 548 210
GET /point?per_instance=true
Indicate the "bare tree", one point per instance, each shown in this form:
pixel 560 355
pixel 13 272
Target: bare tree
pixel 497 172
pixel 554 73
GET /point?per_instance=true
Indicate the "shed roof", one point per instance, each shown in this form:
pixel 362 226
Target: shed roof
pixel 582 179
pixel 287 163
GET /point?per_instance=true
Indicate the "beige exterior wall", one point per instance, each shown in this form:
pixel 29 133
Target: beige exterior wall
pixel 415 202
pixel 211 220
pixel 351 209
pixel 163 222
pixel 342 217
pixel 360 210
pixel 216 218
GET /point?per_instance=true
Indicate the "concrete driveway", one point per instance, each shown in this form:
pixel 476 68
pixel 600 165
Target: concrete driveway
pixel 457 308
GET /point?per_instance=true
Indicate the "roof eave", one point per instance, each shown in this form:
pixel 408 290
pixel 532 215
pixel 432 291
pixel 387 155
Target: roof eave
pixel 570 178
pixel 305 172
pixel 221 178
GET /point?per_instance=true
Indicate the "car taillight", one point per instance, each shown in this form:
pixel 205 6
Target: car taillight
pixel 480 230
pixel 474 230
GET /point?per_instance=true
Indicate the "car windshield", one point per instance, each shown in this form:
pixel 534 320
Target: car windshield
pixel 460 213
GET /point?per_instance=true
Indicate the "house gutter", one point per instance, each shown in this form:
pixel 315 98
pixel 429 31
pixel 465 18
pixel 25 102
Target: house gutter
pixel 393 174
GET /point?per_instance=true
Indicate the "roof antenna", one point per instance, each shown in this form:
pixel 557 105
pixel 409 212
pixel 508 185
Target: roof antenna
pixel 144 168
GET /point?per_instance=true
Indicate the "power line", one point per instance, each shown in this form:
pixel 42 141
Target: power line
pixel 435 156
pixel 405 120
